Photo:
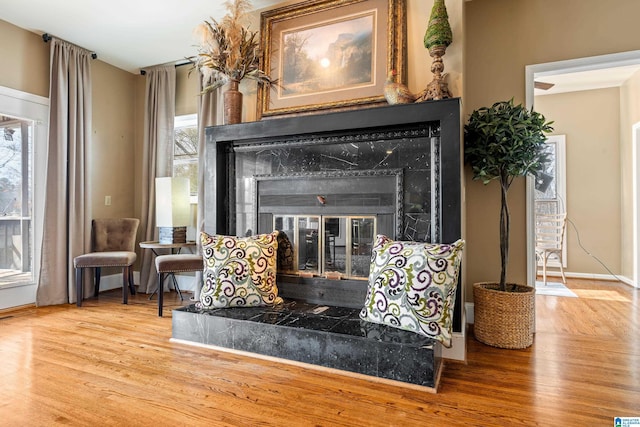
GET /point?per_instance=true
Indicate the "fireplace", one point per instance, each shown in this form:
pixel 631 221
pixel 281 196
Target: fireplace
pixel 331 183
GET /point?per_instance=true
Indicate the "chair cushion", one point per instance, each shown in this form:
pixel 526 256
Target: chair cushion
pixel 115 234
pixel 412 286
pixel 239 271
pixel 177 263
pixel 105 259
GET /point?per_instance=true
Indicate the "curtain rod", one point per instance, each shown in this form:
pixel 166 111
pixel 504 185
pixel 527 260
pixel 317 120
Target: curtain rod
pixel 178 64
pixel 47 37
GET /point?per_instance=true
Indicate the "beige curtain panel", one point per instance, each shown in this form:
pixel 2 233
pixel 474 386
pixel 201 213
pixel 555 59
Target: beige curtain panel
pixel 210 113
pixel 160 111
pixel 67 219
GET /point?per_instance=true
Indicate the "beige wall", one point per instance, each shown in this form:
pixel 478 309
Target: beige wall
pixel 25 67
pixel 591 122
pixel 112 141
pixel 502 37
pixel 630 115
pixel 25 60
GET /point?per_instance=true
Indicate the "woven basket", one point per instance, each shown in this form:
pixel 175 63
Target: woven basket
pixel 504 319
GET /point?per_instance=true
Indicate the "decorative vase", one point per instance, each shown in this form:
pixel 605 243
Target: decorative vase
pixel 436 40
pixel 232 99
pixel 504 319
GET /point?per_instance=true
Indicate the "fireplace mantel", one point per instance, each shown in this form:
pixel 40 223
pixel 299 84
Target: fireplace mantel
pixel 402 123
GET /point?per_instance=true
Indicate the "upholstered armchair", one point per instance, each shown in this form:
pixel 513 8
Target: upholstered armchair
pixel 113 245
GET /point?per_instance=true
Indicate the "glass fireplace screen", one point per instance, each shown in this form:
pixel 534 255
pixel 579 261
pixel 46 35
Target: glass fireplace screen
pixel 330 246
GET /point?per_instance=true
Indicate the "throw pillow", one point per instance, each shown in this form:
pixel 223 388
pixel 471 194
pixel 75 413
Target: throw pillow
pixel 239 271
pixel 412 286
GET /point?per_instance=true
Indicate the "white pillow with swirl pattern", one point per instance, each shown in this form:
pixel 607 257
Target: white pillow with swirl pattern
pixel 239 271
pixel 412 286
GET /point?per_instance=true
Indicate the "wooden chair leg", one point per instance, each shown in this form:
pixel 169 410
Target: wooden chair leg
pixel 97 279
pixel 125 283
pixel 160 294
pixel 79 287
pixel 132 287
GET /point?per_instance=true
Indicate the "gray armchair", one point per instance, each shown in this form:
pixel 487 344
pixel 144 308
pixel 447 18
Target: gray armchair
pixel 113 245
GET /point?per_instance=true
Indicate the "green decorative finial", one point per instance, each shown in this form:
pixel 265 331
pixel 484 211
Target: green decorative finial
pixel 438 31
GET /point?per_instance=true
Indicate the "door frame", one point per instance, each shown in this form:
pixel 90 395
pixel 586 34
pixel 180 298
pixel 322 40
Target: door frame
pixel 635 140
pixel 562 67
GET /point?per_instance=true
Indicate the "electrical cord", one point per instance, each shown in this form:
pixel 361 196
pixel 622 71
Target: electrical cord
pixel 589 253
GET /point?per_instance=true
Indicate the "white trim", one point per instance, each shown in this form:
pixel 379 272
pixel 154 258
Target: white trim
pixel 114 281
pixel 592 276
pixel 35 108
pixel 23 96
pixel 468 308
pixel 635 165
pixel 186 120
pixel 186 281
pixel 458 350
pixel 561 190
pixel 15 296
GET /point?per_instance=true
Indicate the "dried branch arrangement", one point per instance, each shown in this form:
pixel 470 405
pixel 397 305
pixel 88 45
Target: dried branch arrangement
pixel 228 50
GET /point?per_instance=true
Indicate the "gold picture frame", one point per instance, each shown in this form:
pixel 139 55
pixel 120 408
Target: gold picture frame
pixel 330 54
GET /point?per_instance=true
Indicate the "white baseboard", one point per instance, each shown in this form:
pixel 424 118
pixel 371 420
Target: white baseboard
pixel 458 350
pixel 15 296
pixel 608 277
pixel 468 309
pixel 187 281
pixel 114 281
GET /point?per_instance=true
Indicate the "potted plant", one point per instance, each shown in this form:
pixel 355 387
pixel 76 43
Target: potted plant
pixel 228 53
pixel 501 143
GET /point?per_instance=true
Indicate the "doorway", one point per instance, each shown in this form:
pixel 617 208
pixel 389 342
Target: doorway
pixel 599 72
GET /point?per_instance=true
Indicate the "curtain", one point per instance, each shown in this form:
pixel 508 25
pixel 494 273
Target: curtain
pixel 210 113
pixel 67 218
pixel 157 157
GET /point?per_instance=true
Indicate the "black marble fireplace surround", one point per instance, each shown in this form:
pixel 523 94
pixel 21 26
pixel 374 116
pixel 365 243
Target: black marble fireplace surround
pixel 398 164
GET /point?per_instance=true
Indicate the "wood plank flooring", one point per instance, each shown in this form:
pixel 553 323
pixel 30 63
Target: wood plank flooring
pixel 113 365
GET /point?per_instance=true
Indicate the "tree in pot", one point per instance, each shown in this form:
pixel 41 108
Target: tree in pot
pixel 501 143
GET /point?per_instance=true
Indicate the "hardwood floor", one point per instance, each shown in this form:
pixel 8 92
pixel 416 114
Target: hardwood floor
pixel 112 364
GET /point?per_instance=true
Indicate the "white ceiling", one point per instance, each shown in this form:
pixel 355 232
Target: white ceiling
pixel 587 80
pixel 129 34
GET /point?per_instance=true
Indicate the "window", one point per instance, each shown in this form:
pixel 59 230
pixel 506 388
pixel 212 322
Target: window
pixel 16 142
pixel 551 188
pixel 185 150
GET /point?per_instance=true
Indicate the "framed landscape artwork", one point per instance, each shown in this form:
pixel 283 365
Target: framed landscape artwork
pixel 330 54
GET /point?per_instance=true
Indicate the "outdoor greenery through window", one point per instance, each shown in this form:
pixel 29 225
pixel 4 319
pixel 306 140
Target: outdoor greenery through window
pixel 16 144
pixel 185 150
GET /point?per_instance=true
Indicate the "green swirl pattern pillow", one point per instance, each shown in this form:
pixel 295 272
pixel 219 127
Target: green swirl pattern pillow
pixel 412 286
pixel 239 271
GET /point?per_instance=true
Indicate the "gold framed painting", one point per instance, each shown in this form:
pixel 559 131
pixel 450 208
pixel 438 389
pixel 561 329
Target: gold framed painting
pixel 330 54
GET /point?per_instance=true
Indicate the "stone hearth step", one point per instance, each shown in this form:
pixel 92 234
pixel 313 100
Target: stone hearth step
pixel 328 336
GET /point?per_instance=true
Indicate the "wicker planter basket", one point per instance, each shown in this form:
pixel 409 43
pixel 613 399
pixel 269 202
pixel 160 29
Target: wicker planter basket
pixel 504 319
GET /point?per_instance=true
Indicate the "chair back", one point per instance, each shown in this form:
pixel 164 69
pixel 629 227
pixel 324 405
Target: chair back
pixel 550 230
pixel 115 234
